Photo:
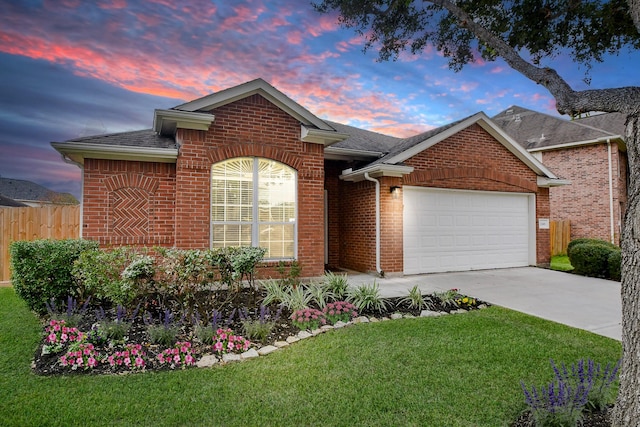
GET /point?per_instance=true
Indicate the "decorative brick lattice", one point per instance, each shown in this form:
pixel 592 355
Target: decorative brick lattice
pixel 129 212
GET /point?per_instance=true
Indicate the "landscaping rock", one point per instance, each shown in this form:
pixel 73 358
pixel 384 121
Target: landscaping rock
pixel 339 324
pixel 409 316
pixel 281 344
pixel 304 335
pixel 373 319
pixel 292 339
pixel 317 332
pixel 396 316
pixel 207 361
pixel 362 319
pixel 231 357
pixel 429 313
pixel 266 350
pixel 326 327
pixel 250 354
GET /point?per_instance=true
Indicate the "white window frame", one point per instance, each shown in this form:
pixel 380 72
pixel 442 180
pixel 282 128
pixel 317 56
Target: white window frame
pixel 255 222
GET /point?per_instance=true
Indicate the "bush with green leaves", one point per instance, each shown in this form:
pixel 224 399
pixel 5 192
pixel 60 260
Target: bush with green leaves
pixel 113 275
pixel 367 298
pixel 592 259
pixel 42 270
pixel 165 333
pixel 615 265
pixel 583 240
pixel 415 299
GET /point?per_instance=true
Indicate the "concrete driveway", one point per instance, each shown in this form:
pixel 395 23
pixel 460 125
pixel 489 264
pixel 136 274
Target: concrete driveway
pixel 582 302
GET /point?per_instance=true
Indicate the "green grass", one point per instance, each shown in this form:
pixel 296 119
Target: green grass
pixel 561 263
pixel 457 370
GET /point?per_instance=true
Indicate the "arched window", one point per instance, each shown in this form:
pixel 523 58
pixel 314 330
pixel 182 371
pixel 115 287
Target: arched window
pixel 253 203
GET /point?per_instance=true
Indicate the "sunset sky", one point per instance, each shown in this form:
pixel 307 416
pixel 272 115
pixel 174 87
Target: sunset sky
pixel 71 68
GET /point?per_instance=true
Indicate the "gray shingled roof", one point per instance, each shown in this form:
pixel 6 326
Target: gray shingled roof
pixel 19 189
pixel 361 139
pixel 611 122
pixel 532 129
pixel 146 138
pixel 5 201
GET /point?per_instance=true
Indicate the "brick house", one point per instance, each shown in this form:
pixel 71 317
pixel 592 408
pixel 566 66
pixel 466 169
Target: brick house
pixel 590 153
pixel 250 166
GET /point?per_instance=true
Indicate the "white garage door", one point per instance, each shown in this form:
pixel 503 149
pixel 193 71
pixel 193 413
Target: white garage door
pixel 449 230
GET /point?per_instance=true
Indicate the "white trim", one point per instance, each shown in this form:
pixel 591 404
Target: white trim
pixel 321 136
pixel 339 153
pixel 545 182
pixel 602 140
pixel 376 171
pixel 166 122
pixel 78 151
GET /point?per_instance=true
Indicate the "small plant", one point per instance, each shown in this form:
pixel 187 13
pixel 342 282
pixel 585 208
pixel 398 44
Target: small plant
pixel 58 334
pixel 80 355
pixel 296 298
pixel 308 318
pixel 415 299
pixel 118 328
pixel 260 328
pixel 275 293
pixel 367 297
pixel 448 298
pixel 291 276
pixel 597 380
pixel 340 311
pixel 72 315
pixel 336 283
pixel 557 405
pixel 226 342
pixel 320 294
pixel 466 302
pixel 97 336
pixel 132 357
pixel 165 334
pixel 178 356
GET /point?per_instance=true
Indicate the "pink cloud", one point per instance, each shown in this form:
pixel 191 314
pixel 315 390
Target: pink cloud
pixel 496 70
pixel 112 4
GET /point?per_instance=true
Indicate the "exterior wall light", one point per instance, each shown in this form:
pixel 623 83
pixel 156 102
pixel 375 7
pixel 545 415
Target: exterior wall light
pixel 395 191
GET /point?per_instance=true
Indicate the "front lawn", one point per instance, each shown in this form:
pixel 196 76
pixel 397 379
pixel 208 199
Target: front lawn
pixel 561 263
pixel 456 370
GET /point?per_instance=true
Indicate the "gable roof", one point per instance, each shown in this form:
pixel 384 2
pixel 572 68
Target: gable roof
pixel 22 190
pixel 538 131
pixel 611 122
pixel 391 163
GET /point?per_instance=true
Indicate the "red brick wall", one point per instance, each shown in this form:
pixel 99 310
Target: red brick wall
pixel 250 127
pixel 128 203
pixel 332 186
pixel 586 201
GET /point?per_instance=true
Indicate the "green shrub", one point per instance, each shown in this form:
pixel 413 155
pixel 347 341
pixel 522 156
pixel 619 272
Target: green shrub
pixel 584 240
pixel 591 259
pixel 42 270
pixel 101 273
pixel 615 265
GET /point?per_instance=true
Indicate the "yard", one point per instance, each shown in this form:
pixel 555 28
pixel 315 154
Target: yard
pixel 456 370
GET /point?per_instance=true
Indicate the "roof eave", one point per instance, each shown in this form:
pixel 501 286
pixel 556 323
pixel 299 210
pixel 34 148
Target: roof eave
pixel 338 153
pixel 376 171
pixel 77 152
pixel 165 122
pixel 545 182
pixel 321 136
pixel 602 140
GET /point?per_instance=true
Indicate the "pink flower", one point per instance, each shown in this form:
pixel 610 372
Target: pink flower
pixel 230 346
pixel 176 358
pixel 92 362
pixel 218 346
pixel 79 361
pixel 139 362
pixel 127 361
pixel 63 360
pixel 188 359
pixel 64 337
pixel 52 338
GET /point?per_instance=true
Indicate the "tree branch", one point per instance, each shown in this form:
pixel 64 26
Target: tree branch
pixel 568 101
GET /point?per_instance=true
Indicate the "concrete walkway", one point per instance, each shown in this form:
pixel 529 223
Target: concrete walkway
pixel 582 302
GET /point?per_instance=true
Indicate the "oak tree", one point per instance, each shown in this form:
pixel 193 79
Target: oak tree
pixel 528 35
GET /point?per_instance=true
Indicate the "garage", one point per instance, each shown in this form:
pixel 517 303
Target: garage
pixel 455 230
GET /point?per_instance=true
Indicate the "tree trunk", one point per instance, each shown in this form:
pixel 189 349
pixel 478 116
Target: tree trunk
pixel 627 409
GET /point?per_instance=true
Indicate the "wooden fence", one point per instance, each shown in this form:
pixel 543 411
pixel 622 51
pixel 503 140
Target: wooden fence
pixel 48 222
pixel 560 236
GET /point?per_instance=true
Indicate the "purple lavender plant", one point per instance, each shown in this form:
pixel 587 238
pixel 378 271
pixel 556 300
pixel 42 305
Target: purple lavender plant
pixel 590 375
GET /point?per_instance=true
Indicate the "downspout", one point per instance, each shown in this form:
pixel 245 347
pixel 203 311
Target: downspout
pixel 610 191
pixel 368 178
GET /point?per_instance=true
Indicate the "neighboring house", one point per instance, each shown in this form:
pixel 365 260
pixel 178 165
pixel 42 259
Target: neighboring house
pixel 249 166
pixel 31 194
pixel 10 203
pixel 591 154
